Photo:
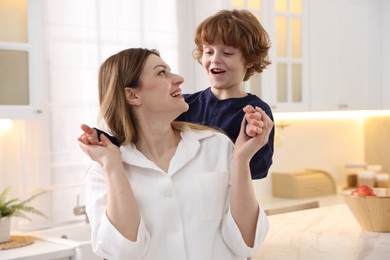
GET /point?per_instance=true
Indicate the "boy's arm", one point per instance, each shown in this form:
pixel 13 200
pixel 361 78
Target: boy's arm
pixel 110 137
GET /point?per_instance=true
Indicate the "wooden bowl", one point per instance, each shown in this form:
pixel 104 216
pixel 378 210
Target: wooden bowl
pixel 371 212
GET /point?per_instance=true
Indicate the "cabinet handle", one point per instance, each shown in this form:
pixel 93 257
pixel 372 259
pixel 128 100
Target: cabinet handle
pixel 343 106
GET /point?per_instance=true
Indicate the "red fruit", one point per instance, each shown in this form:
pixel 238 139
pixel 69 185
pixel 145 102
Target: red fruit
pixel 363 190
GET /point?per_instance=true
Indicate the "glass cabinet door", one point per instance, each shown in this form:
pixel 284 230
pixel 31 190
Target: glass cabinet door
pixel 282 84
pixel 20 62
pixel 288 58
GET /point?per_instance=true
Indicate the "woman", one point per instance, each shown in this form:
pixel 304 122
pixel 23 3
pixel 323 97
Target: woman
pixel 173 190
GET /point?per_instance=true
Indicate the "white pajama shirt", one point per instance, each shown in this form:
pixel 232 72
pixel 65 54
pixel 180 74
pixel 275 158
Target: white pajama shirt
pixel 185 212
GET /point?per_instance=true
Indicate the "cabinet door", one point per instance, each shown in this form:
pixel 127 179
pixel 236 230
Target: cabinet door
pixel 343 65
pixel 20 59
pixel 385 56
pixel 325 42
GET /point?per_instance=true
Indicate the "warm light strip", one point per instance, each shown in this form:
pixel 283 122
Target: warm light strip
pixel 5 125
pixel 331 114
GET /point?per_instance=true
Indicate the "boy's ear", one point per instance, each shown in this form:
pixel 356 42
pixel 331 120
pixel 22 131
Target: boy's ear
pixel 131 97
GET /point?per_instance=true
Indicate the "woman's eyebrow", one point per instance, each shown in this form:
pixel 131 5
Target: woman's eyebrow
pixel 163 66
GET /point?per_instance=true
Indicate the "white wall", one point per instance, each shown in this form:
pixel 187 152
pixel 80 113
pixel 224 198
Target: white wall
pixel 326 144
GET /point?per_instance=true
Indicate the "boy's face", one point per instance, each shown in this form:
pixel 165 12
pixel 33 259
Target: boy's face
pixel 224 66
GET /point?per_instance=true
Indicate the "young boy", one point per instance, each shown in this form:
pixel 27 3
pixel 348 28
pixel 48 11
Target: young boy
pixel 231 45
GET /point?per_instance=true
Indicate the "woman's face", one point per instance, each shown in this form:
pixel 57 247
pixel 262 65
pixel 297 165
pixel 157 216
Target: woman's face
pixel 159 91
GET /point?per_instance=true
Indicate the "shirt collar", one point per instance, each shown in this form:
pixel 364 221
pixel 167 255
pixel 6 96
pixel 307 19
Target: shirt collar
pixel 186 150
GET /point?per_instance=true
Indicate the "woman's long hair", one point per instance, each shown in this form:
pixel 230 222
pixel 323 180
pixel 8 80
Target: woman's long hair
pixel 116 73
pixel 120 71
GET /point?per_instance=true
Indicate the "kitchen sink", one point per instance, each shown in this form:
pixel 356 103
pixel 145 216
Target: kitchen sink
pixel 76 235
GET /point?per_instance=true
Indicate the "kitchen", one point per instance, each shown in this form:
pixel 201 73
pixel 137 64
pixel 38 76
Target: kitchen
pixel 39 150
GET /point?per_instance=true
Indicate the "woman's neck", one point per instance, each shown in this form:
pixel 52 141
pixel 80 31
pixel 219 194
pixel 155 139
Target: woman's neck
pixel 158 144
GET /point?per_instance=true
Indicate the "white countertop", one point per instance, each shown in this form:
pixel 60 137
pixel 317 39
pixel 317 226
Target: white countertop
pixel 268 202
pixel 328 232
pixel 324 233
pixel 39 250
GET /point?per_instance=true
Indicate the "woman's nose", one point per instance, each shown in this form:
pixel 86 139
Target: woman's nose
pixel 177 79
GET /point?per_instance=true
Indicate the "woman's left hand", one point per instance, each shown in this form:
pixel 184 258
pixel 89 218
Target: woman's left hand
pixel 256 127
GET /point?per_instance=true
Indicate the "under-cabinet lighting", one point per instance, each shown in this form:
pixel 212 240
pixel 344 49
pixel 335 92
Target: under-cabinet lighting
pixel 361 114
pixel 5 125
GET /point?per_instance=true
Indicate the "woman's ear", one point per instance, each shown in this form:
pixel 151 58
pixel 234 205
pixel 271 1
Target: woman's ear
pixel 131 97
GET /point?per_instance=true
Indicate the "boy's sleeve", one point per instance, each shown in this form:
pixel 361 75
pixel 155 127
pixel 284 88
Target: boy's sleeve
pixel 113 139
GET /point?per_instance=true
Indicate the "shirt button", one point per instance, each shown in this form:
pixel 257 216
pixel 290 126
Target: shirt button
pixel 168 194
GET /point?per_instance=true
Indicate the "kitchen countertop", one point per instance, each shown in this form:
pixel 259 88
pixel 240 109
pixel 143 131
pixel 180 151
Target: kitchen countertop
pixel 268 202
pixel 329 232
pixel 44 250
pixel 39 250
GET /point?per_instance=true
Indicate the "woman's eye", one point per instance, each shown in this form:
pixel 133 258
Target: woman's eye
pixel 163 73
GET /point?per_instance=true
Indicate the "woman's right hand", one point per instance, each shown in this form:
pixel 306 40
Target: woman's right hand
pixel 103 152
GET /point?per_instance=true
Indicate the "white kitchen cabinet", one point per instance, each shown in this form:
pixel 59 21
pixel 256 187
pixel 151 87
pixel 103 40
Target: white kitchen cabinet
pixel 21 59
pixel 344 55
pixel 385 54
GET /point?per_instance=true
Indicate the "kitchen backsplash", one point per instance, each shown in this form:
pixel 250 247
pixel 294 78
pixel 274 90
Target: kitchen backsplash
pixel 377 141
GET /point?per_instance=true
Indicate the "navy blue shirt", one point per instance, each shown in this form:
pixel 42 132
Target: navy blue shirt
pixel 226 115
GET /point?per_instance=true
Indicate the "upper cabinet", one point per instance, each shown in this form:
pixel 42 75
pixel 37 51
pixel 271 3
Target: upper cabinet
pixel 21 62
pixel 344 61
pixel 326 54
pixel 384 63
